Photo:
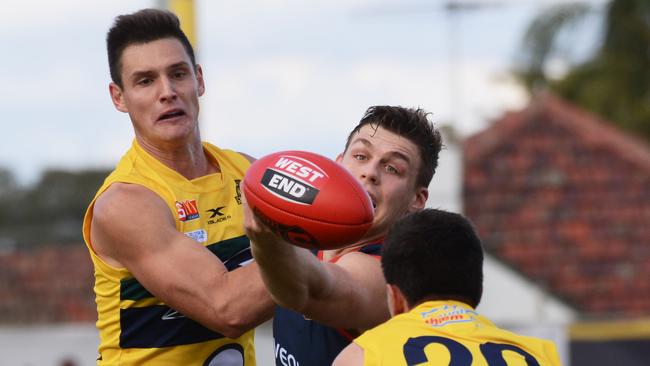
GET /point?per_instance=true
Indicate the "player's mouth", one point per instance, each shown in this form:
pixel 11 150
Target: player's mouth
pixel 373 200
pixel 171 114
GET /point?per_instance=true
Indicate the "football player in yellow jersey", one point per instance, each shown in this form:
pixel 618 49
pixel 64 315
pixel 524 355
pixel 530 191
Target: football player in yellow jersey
pixel 433 264
pixel 173 282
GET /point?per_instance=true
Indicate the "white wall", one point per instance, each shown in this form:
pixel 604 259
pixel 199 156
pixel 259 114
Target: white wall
pixel 51 345
pixel 510 299
pixel 445 190
pixel 48 345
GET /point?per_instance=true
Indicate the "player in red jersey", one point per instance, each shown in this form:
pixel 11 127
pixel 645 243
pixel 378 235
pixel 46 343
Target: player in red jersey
pixel 328 299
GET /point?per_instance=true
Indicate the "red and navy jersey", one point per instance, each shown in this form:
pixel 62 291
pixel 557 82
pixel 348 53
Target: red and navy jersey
pixel 301 341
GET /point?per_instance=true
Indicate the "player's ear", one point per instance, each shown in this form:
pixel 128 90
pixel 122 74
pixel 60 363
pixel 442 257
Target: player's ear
pixel 117 97
pixel 397 303
pixel 339 158
pixel 199 79
pixel 419 199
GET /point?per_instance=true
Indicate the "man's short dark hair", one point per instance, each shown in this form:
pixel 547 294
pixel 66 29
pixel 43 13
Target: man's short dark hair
pixel 146 25
pixel 412 124
pixel 434 255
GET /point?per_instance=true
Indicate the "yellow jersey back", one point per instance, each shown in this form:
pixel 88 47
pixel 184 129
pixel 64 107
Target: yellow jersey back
pixel 451 333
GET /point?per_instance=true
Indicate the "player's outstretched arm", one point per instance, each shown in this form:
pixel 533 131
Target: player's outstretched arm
pixel 350 294
pixel 174 268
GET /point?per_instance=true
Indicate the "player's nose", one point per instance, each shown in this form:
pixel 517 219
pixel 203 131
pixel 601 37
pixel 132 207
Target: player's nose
pixel 167 90
pixel 370 173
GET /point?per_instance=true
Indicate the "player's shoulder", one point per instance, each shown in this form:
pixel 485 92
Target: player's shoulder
pixel 361 265
pixel 248 157
pixel 120 199
pixel 362 253
pixel 121 190
pixel 225 152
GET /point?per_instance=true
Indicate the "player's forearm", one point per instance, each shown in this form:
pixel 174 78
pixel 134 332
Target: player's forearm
pixel 246 304
pixel 291 274
pixel 199 286
pixel 230 303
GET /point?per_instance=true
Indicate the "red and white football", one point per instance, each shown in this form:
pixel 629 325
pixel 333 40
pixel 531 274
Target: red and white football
pixel 309 200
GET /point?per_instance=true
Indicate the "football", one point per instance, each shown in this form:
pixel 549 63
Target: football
pixel 309 200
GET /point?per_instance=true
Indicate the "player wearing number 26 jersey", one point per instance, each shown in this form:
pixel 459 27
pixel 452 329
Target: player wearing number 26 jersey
pixel 433 264
pixel 454 332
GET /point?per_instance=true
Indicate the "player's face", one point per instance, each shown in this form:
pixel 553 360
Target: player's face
pixel 161 90
pixel 387 166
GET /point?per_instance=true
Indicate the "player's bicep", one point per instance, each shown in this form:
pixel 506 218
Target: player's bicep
pixel 127 221
pixel 134 227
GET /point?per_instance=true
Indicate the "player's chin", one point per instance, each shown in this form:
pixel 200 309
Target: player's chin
pixel 176 132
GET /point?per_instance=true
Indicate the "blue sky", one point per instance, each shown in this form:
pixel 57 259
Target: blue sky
pixel 280 74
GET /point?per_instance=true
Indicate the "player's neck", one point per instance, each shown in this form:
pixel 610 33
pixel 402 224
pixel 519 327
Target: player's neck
pixel 329 254
pixel 188 159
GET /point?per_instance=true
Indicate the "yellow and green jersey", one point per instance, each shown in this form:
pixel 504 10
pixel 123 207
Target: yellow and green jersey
pixel 135 327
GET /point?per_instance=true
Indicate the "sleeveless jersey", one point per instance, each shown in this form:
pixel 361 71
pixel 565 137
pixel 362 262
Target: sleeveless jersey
pixel 304 342
pixel 135 327
pixel 451 333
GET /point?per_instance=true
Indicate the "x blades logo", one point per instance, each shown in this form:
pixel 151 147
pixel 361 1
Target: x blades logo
pixel 216 211
pixel 217 215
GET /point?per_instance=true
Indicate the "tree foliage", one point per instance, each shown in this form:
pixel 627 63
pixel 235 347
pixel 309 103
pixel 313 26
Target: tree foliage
pixel 49 212
pixel 615 81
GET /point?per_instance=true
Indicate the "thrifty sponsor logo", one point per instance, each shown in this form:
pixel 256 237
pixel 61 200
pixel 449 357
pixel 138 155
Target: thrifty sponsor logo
pixel 187 210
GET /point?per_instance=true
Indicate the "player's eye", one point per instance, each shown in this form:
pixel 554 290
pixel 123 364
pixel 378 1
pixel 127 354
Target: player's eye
pixel 179 74
pixel 391 169
pixel 359 157
pixel 144 81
